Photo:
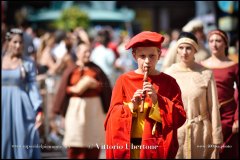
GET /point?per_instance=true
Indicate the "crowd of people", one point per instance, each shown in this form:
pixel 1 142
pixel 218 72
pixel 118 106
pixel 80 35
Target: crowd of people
pixel 87 93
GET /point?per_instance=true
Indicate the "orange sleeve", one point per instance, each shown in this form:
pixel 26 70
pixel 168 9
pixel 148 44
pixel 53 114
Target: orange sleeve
pixel 89 72
pixel 77 75
pixel 74 77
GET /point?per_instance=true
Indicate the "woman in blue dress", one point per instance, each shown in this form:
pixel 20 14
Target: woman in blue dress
pixel 21 102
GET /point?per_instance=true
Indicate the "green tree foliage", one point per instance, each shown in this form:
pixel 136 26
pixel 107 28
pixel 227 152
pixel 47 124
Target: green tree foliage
pixel 71 18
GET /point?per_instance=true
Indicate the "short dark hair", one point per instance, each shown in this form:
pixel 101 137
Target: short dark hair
pixel 104 37
pixel 188 35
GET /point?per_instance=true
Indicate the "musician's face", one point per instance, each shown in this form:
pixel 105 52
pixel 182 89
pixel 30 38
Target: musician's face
pixel 146 57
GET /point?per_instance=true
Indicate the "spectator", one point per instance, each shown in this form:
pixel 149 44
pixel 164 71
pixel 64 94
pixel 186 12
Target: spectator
pixel 29 49
pixel 125 60
pixel 103 56
pixel 21 102
pixel 88 91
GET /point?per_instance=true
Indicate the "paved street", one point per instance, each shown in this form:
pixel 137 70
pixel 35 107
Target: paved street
pixel 58 154
pixel 53 155
pixel 52 148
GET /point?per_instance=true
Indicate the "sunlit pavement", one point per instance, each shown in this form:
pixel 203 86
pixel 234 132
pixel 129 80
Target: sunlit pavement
pixel 53 155
pixel 58 154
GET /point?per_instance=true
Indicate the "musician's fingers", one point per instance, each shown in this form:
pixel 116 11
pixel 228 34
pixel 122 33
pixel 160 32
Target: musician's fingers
pixel 153 96
pixel 136 96
pixel 150 92
pixel 149 89
pixel 136 101
pixel 138 93
pixel 133 100
pixel 148 85
pixel 145 83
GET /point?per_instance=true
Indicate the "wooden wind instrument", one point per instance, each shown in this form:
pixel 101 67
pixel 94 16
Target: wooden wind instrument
pixel 144 93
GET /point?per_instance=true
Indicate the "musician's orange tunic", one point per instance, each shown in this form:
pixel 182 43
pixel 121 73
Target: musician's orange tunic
pixel 118 124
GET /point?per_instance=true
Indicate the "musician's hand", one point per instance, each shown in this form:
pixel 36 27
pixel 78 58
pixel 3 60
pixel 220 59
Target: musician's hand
pixel 136 99
pixel 148 87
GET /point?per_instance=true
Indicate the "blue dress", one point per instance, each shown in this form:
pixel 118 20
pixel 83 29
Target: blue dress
pixel 21 101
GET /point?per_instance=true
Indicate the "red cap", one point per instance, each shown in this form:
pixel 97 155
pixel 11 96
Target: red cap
pixel 145 39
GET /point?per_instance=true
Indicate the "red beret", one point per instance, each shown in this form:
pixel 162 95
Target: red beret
pixel 145 39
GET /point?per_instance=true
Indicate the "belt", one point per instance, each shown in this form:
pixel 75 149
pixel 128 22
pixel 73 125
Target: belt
pixel 197 119
pixel 136 141
pixel 225 102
